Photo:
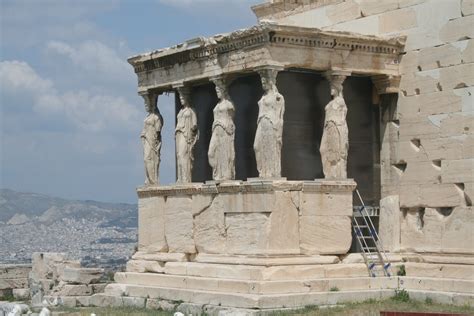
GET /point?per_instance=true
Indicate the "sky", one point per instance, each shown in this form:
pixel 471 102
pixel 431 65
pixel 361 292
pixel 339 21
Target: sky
pixel 70 117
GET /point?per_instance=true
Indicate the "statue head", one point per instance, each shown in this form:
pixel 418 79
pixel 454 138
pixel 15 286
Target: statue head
pixel 335 83
pixel 151 100
pixel 221 89
pixel 184 96
pixel 336 89
pixel 268 77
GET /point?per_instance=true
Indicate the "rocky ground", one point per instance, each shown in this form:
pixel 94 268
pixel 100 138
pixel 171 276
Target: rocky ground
pixel 100 234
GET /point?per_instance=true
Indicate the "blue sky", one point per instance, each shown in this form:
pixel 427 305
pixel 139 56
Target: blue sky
pixel 70 117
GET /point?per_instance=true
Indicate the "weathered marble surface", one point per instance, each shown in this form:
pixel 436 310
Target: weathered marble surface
pixel 221 152
pixel 247 218
pixel 389 223
pixel 151 139
pixel 186 135
pixel 268 137
pixel 335 141
pixel 258 46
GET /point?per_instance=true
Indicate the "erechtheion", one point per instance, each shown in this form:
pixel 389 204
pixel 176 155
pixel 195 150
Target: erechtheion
pixel 276 127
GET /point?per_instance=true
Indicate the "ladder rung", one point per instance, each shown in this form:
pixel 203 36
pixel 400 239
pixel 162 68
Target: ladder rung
pixel 370 248
pixel 374 259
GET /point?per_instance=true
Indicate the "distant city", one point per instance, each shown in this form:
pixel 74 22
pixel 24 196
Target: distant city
pixel 97 233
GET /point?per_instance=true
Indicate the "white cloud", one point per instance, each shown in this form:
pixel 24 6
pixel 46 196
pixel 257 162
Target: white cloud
pixel 94 57
pixel 28 23
pixel 19 77
pixel 85 111
pixel 182 3
pixel 216 8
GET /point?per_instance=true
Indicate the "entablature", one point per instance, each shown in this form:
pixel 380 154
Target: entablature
pixel 287 47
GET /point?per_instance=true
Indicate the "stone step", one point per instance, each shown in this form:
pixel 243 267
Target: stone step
pixel 260 273
pixel 435 270
pixel 437 284
pixel 193 296
pixel 269 261
pixel 450 298
pixel 255 301
pixel 253 287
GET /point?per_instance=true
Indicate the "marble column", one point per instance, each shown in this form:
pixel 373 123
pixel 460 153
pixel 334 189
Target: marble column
pixel 186 135
pixel 221 152
pixel 335 140
pixel 269 134
pixel 151 138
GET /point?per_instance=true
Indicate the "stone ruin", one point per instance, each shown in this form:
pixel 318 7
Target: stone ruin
pixel 276 126
pixel 51 280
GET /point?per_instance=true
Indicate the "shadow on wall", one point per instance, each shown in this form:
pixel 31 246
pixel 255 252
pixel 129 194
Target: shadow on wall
pixel 306 95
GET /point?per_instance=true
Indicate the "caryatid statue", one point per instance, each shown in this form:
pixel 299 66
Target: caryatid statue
pixel 269 134
pixel 151 139
pixel 186 135
pixel 335 141
pixel 221 152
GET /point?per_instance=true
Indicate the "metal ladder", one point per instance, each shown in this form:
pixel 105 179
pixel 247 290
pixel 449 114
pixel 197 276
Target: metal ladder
pixel 373 251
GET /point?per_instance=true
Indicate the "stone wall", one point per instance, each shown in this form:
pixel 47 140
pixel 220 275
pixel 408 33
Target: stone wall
pixel 14 280
pixel 56 280
pixel 246 218
pixel 427 142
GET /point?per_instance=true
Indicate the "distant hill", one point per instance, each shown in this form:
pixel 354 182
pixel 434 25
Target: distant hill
pixel 98 233
pixel 19 207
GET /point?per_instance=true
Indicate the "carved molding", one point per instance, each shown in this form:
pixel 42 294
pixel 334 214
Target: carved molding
pixel 264 35
pixel 319 185
pixel 386 84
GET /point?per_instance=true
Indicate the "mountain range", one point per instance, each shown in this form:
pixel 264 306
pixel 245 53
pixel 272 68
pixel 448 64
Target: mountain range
pixel 98 233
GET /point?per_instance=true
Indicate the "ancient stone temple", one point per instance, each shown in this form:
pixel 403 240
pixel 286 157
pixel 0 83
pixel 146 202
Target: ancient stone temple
pixel 278 124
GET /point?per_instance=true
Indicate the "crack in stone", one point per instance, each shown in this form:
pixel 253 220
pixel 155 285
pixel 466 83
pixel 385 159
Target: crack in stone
pixel 205 207
pixel 295 195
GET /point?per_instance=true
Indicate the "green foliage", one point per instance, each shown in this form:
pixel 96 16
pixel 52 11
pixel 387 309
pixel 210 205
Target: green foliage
pixel 429 301
pixel 369 307
pixel 334 289
pixel 309 308
pixel 401 296
pixel 401 270
pixel 7 296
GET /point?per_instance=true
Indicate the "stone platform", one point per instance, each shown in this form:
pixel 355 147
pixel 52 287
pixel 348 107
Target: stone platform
pixel 266 217
pixel 262 284
pixel 263 245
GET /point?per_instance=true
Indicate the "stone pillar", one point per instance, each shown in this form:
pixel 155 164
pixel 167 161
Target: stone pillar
pixel 151 138
pixel 221 152
pixel 269 134
pixel 186 135
pixel 335 140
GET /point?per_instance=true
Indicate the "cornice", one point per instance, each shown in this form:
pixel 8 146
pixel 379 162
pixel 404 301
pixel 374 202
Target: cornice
pixel 264 35
pixel 255 185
